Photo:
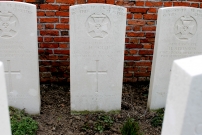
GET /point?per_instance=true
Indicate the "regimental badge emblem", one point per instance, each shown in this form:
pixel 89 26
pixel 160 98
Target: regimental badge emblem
pixel 185 27
pixel 98 25
pixel 8 24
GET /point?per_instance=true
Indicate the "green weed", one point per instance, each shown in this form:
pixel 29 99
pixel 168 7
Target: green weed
pixel 22 123
pixel 130 127
pixel 104 122
pixel 157 120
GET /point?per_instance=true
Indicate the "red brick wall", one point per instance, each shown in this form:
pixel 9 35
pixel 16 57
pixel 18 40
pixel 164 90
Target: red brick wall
pixel 53 37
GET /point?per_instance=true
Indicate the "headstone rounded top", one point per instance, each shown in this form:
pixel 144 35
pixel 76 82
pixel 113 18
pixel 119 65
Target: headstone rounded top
pixel 97 4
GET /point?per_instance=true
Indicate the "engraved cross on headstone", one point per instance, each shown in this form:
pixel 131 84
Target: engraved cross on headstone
pixel 10 72
pixel 97 72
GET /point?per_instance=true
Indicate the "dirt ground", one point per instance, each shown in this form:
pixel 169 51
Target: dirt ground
pixel 55 117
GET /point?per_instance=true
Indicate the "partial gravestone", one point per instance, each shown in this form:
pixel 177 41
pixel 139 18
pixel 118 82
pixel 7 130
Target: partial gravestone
pixel 19 53
pixel 184 103
pixel 5 127
pixel 178 35
pixel 97 37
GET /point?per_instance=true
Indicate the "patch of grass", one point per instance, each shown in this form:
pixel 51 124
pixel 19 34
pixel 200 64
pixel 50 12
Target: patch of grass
pixel 157 120
pixel 22 123
pixel 104 122
pixel 94 112
pixel 130 127
pixel 99 127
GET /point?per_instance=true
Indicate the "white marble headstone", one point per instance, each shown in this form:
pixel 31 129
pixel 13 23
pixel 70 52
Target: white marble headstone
pixel 97 37
pixel 184 102
pixel 5 127
pixel 178 35
pixel 19 53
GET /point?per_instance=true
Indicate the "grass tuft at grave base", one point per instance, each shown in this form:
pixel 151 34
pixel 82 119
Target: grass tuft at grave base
pixel 130 127
pixel 157 120
pixel 55 117
pixel 94 112
pixel 22 123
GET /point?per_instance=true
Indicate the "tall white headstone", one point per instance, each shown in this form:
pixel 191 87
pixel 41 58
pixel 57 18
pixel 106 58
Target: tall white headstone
pixel 19 53
pixel 5 127
pixel 178 35
pixel 184 102
pixel 97 37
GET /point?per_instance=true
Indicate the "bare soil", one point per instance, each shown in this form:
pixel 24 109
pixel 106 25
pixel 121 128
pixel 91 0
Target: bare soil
pixel 55 117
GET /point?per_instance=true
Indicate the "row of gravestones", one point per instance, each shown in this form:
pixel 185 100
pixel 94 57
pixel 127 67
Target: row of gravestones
pixel 97 34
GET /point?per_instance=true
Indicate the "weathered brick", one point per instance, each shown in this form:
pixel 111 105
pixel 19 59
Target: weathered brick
pixel 63 45
pixel 134 46
pixel 129 28
pixel 49 7
pixel 139 3
pixel 126 40
pixel 49 20
pixel 136 22
pixel 49 26
pixel 62 13
pixel 129 16
pixel 64 20
pixel 48 45
pixel 133 51
pixel 150 35
pixel 128 75
pixel 144 57
pixel 153 4
pixel 135 58
pixel 48 39
pixel 66 1
pixel 145 52
pixel 61 39
pixel 181 4
pixel 50 13
pixel 138 10
pixel 143 69
pixel 150 16
pixel 64 33
pixel 148 28
pixel 152 10
pixel 40 39
pixel 150 22
pixel 52 57
pixel 142 74
pixel 134 40
pixel 49 32
pixel 168 4
pixel 62 26
pixel 119 2
pixel 145 63
pixel 50 1
pixel 64 7
pixel 137 28
pixel 137 16
pixel 30 1
pixel 147 46
pixel 60 63
pixel 110 2
pixel 40 13
pixel 62 57
pixel 196 5
pixel 147 40
pixel 135 34
pixel 40 26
